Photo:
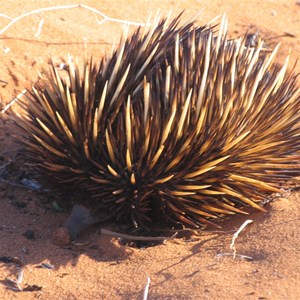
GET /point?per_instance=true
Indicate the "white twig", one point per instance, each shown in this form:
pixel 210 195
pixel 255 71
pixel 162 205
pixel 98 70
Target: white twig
pixel 106 18
pixel 246 257
pixel 20 276
pixel 51 8
pixel 137 238
pixel 7 163
pixel 146 290
pixel 235 236
pixel 5 16
pixel 7 106
pixel 39 28
pixel 15 285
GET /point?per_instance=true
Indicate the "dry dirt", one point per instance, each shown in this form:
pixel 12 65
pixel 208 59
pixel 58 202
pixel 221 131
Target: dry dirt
pixel 100 267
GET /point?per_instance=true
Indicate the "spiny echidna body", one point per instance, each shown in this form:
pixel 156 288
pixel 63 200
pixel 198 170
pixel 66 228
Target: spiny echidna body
pixel 176 129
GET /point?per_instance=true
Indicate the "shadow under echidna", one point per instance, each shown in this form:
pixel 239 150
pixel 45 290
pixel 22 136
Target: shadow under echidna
pixel 177 128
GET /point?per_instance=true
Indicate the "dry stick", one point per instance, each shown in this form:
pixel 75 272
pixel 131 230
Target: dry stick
pixel 36 11
pixel 15 285
pixel 232 245
pixel 19 185
pixel 137 238
pixel 39 28
pixel 146 291
pixel 3 81
pixel 7 163
pixel 41 23
pixel 81 219
pixel 10 103
pixel 5 16
pixel 235 236
pixel 20 276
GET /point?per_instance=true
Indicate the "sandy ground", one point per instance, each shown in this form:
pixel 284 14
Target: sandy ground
pixel 100 267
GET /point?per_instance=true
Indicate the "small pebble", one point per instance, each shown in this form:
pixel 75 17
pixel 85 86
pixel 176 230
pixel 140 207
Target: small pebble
pixel 19 204
pixel 29 234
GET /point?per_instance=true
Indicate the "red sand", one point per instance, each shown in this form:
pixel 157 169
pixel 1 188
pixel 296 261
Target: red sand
pixel 101 268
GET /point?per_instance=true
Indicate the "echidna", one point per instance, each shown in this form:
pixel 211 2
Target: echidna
pixel 177 128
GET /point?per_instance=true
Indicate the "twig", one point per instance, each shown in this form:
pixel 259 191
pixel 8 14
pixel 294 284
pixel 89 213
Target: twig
pixel 13 159
pixel 15 285
pixel 6 164
pixel 5 16
pixel 235 236
pixel 39 28
pixel 106 18
pixel 137 238
pixel 146 290
pixel 20 276
pixel 236 255
pixel 3 81
pixel 232 245
pixel 7 106
pixel 51 8
pixel 22 186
